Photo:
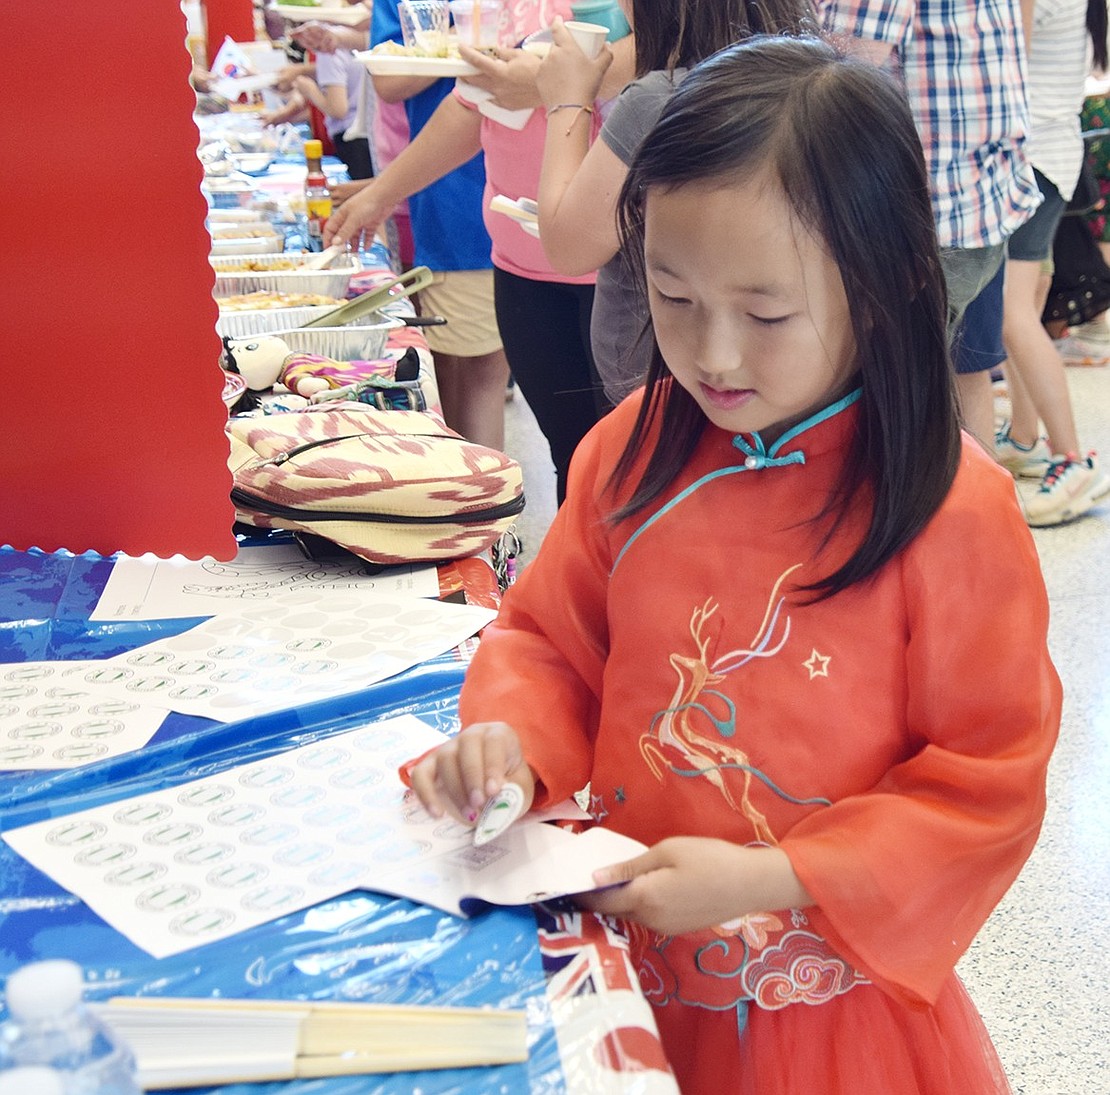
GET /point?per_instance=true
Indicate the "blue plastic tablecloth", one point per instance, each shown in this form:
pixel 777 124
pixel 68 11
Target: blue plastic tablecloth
pixel 362 946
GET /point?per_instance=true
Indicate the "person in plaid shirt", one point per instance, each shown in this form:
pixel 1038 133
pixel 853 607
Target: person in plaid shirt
pixel 962 64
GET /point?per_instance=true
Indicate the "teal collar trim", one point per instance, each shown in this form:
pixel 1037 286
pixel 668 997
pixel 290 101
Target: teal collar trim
pixel 814 420
pixel 757 457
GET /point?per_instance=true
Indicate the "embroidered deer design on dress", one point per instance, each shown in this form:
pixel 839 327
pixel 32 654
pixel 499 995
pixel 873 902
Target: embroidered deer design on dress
pixel 689 728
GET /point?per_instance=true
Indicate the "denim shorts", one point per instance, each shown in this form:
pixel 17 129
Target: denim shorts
pixel 1032 242
pixel 978 342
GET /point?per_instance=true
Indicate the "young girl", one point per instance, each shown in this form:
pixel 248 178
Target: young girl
pixel 771 625
pixel 580 181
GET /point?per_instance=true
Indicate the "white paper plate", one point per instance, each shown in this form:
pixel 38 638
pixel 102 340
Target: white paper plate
pixel 523 211
pixel 342 14
pixel 397 64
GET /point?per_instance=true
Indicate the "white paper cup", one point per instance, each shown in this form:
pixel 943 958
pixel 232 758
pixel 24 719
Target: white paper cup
pixel 478 34
pixel 589 36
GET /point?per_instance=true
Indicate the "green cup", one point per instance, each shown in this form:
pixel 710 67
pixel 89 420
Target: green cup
pixel 605 12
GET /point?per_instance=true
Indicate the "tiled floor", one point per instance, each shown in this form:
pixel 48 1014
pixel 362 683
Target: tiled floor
pixel 1040 969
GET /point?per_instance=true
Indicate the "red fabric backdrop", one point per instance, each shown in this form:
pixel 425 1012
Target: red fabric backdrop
pixel 111 410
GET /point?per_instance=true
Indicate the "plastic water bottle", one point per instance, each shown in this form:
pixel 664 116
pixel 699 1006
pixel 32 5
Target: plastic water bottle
pixel 33 1080
pixel 51 1027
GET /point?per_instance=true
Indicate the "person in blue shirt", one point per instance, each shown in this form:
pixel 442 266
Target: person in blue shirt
pixel 449 238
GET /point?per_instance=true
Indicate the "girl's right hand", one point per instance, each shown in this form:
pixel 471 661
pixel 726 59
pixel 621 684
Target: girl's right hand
pixel 566 74
pixel 461 775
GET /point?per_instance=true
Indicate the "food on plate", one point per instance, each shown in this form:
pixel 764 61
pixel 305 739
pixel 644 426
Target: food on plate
pixel 447 46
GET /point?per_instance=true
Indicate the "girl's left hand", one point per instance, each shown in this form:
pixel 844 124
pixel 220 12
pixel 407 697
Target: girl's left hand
pixel 566 74
pixel 689 883
pixel 509 75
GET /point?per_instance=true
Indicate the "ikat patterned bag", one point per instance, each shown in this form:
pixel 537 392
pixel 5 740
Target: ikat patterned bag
pixel 391 486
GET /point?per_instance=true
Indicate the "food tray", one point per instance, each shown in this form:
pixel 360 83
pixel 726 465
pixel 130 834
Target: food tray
pixel 399 64
pixel 335 13
pixel 248 245
pixel 332 282
pixel 361 341
pixel 266 321
pixel 220 218
pixel 222 192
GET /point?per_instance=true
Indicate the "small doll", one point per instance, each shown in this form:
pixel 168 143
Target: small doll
pixel 265 360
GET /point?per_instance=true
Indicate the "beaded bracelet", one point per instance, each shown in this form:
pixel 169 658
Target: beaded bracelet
pixel 578 108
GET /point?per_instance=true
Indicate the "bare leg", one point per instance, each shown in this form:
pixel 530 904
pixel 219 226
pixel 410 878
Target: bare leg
pixel 472 391
pixel 976 400
pixel 1033 358
pixel 1025 426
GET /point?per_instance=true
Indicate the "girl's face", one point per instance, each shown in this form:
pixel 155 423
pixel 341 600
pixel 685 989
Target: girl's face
pixel 748 307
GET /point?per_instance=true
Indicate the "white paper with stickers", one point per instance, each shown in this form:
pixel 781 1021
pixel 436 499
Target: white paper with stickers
pixel 49 722
pixel 178 868
pixel 292 649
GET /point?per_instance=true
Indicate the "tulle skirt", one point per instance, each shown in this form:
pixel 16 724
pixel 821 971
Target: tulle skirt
pixel 860 1043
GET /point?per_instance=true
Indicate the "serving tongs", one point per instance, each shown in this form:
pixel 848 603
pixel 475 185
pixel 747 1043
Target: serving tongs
pixel 411 281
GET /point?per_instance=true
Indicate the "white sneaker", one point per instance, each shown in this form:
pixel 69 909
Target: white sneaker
pixel 1080 351
pixel 1022 461
pixel 1070 487
pixel 1094 330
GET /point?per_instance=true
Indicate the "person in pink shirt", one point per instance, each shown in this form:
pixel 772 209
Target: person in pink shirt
pixel 543 316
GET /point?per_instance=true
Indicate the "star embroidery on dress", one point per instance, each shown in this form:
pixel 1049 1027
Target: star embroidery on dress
pixel 597 808
pixel 619 794
pixel 817 664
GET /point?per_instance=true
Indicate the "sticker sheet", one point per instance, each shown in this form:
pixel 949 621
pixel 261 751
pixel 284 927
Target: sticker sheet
pixel 216 856
pixel 46 721
pixel 199 862
pixel 291 649
pixel 149 588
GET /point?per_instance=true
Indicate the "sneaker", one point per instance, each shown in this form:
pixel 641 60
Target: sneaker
pixel 1022 461
pixel 1079 351
pixel 1069 488
pixel 1096 331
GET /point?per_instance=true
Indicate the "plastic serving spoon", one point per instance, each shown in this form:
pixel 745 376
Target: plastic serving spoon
pixel 411 281
pixel 324 258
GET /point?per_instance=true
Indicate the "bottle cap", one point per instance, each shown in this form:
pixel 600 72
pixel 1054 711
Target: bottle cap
pixel 44 989
pixel 313 150
pixel 40 1080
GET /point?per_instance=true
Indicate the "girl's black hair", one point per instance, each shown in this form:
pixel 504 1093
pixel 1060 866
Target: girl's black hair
pixel 1096 27
pixel 680 33
pixel 838 136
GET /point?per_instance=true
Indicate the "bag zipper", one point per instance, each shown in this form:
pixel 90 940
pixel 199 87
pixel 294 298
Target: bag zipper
pixel 298 449
pixel 245 500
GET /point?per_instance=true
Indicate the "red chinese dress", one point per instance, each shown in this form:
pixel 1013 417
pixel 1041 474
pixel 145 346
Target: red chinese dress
pixel 892 740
